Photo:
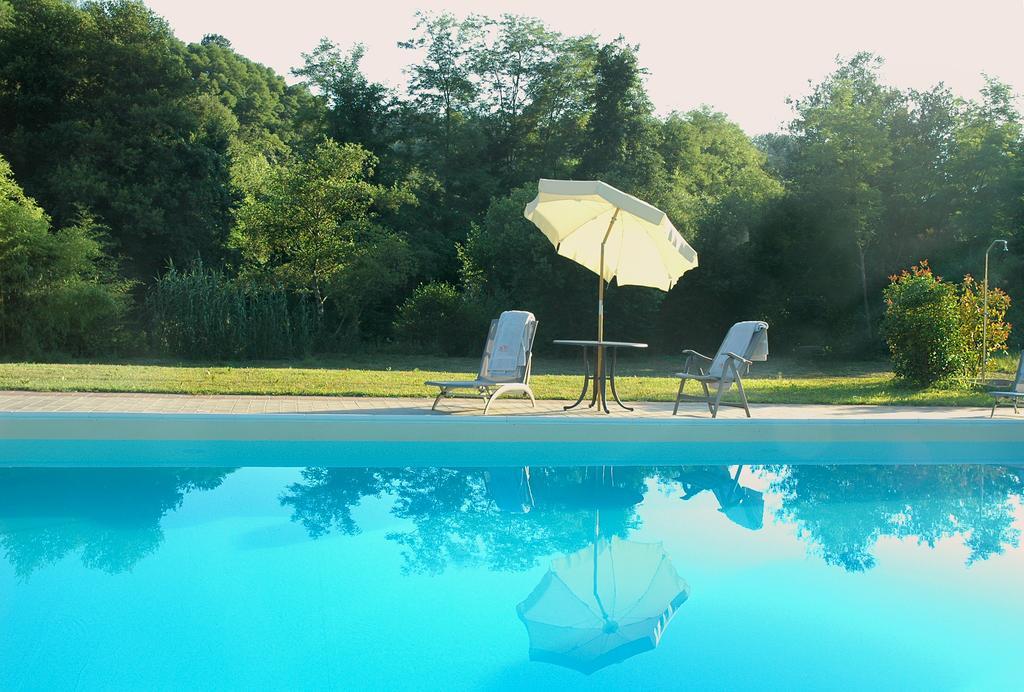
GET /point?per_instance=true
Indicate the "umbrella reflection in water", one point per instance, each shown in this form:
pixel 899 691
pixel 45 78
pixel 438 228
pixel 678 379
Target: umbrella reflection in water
pixel 604 603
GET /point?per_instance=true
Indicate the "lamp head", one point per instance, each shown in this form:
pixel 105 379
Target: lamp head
pixel 1006 248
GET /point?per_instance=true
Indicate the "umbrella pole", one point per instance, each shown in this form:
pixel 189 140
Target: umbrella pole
pixel 599 366
pixel 597 536
pixel 599 355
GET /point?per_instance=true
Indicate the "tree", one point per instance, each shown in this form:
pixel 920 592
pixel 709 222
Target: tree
pixel 712 167
pixel 920 198
pixel 508 68
pixel 98 111
pixel 845 152
pixel 986 174
pixel 311 222
pixel 507 262
pixel 442 82
pixel 622 137
pixel 215 40
pixel 717 193
pixel 359 111
pixel 986 166
pixel 266 108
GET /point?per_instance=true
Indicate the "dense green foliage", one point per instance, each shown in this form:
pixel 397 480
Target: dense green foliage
pixel 58 292
pixel 350 195
pixel 99 110
pixel 439 318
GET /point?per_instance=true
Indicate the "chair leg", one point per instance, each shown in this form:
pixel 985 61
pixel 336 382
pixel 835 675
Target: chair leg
pixel 438 398
pixel 504 389
pixel 743 395
pixel 995 403
pixel 718 398
pixel 707 398
pixel 490 400
pixel 679 395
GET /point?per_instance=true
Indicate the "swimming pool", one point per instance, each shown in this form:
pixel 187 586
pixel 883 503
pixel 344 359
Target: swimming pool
pixel 411 575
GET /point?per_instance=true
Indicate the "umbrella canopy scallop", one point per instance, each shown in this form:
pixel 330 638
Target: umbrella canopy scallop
pixel 641 246
pixel 602 605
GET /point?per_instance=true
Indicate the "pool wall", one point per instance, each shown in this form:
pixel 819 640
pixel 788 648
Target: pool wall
pixel 352 440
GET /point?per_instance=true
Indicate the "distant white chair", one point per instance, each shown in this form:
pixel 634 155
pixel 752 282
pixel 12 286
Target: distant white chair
pixel 744 343
pixel 505 364
pixel 1015 392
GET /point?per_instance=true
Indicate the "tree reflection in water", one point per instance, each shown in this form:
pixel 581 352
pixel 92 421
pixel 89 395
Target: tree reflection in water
pixel 842 511
pixel 323 501
pixel 472 516
pixel 111 515
pixel 509 519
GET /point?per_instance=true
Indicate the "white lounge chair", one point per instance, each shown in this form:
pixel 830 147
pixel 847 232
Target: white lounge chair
pixel 506 362
pixel 745 342
pixel 1015 392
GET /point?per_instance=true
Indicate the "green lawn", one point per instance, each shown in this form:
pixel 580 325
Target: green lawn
pixel 781 380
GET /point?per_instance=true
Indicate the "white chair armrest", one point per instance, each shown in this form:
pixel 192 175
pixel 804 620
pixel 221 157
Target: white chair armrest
pixel 739 358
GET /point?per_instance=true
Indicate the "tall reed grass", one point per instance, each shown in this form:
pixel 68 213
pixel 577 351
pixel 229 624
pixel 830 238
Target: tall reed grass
pixel 202 313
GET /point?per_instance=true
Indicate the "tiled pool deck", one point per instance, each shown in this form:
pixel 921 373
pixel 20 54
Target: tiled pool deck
pixel 44 402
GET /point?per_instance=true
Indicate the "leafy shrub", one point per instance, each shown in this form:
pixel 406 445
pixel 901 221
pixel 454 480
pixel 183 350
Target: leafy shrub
pixel 82 317
pixel 437 318
pixel 58 291
pixel 924 329
pixel 201 312
pixel 972 315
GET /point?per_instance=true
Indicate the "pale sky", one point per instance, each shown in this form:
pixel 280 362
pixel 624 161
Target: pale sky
pixel 741 57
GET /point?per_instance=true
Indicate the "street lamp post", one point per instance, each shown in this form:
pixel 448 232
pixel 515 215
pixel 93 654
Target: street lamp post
pixel 984 301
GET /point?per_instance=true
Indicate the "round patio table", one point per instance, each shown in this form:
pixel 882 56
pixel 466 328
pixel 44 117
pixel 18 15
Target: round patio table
pixel 602 375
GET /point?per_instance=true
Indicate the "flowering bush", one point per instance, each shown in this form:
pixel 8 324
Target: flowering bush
pixel 924 327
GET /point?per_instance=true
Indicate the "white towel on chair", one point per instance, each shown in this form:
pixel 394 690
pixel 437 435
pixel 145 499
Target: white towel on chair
pixel 509 353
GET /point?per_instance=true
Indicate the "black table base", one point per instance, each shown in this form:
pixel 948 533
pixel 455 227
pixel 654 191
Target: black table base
pixel 602 380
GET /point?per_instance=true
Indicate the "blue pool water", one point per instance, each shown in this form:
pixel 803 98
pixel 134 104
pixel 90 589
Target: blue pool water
pixel 668 577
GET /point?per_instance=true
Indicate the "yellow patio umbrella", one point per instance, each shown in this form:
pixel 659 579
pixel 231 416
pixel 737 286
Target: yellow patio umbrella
pixel 611 233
